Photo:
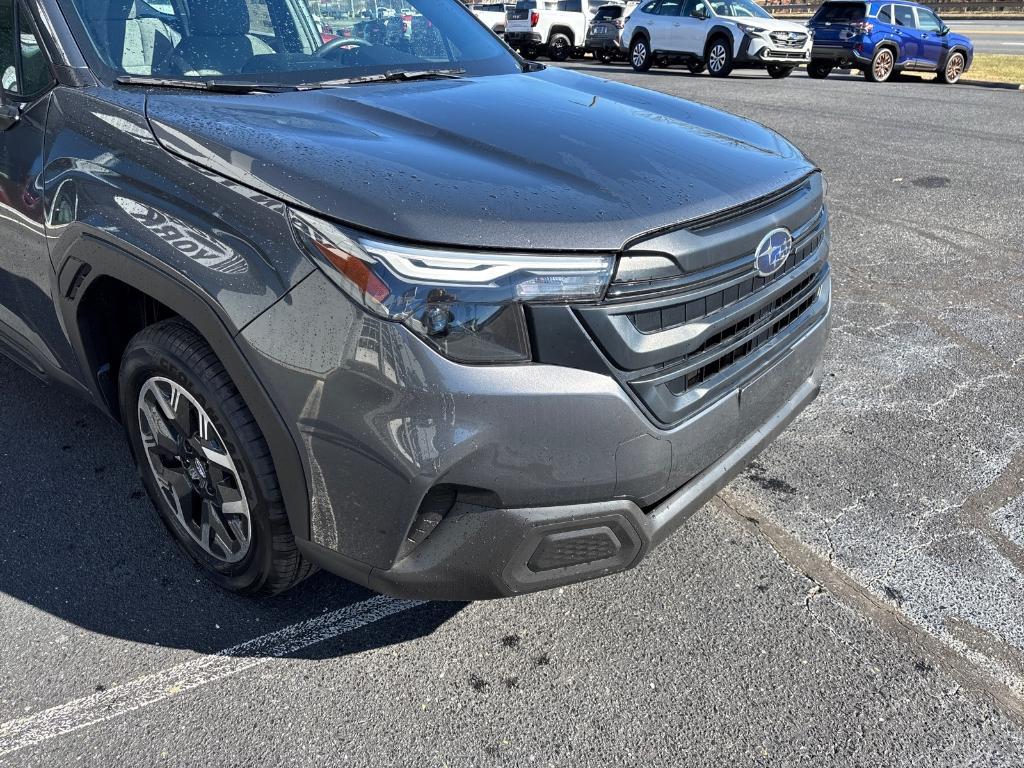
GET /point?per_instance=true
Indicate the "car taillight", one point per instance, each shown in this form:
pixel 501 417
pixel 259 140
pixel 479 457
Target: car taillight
pixel 863 27
pixel 534 18
pixel 619 23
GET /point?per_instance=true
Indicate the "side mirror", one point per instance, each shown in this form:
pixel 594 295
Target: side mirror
pixel 944 30
pixel 702 13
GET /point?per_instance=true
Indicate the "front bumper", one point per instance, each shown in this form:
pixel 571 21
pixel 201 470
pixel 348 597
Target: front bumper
pixel 756 50
pixel 553 464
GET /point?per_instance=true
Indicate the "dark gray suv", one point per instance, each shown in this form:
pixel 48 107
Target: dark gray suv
pixel 396 302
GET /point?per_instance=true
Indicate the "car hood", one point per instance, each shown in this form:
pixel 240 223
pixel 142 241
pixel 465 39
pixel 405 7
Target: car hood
pixel 772 25
pixel 545 160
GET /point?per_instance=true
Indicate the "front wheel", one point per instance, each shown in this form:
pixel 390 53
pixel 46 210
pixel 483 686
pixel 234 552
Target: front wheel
pixel 640 55
pixel 205 462
pixel 719 58
pixel 954 69
pixel 530 54
pixel 604 57
pixel 777 71
pixel 819 70
pixel 559 47
pixel 882 65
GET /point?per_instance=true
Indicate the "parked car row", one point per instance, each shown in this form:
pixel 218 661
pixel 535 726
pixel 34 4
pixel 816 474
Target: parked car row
pixel 880 39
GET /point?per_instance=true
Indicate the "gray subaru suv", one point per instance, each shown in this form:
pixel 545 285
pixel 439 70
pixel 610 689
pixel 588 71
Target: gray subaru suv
pixel 395 302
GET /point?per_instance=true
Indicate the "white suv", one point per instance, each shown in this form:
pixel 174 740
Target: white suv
pixel 717 34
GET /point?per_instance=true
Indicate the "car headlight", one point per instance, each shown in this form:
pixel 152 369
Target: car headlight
pixel 468 305
pixel 752 30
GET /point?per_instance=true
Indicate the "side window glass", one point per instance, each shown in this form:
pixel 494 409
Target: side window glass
pixel 24 70
pixel 885 14
pixel 928 21
pixel 651 7
pixel 905 16
pixel 669 8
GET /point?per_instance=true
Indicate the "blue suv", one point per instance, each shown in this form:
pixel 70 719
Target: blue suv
pixel 884 38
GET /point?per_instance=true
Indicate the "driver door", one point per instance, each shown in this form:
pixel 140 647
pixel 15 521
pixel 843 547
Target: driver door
pixel 694 21
pixel 929 27
pixel 29 329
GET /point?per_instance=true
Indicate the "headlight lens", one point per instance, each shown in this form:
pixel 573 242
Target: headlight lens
pixel 751 30
pixel 467 305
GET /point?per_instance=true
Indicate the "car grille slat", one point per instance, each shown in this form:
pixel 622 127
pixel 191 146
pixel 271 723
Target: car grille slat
pixel 679 343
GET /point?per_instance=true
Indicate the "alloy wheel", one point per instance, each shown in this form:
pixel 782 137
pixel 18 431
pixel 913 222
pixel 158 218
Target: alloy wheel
pixel 193 470
pixel 639 53
pixel 954 68
pixel 882 66
pixel 716 59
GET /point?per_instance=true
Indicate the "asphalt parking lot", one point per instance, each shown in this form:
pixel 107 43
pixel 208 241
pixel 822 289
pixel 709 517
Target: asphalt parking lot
pixel 855 599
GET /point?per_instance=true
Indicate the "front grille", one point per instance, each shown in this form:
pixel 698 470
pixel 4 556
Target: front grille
pixel 656 320
pixel 784 40
pixel 680 342
pixel 735 354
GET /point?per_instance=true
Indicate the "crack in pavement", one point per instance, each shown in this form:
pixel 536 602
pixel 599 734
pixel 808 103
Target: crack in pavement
pixel 825 576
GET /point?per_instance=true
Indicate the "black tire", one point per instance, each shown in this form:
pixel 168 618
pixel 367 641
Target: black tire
pixel 173 352
pixel 719 57
pixel 819 70
pixel 696 67
pixel 954 69
pixel 882 66
pixel 530 54
pixel 778 71
pixel 662 63
pixel 559 47
pixel 604 57
pixel 640 54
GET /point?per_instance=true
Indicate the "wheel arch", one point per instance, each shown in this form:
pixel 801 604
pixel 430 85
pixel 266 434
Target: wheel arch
pixel 95 271
pixel 717 31
pixel 561 29
pixel 640 32
pixel 957 48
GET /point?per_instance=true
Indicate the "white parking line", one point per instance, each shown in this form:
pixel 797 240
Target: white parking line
pixel 122 699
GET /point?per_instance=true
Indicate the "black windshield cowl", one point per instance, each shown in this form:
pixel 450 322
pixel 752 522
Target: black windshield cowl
pixel 215 86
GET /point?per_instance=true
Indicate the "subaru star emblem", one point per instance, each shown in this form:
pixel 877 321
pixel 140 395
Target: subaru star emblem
pixel 772 251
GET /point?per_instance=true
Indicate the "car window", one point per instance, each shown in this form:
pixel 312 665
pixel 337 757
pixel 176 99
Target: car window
pixel 650 7
pixel 669 7
pixel 928 21
pixel 885 14
pixel 905 16
pixel 840 12
pixel 609 13
pixel 23 65
pixel 740 9
pixel 691 8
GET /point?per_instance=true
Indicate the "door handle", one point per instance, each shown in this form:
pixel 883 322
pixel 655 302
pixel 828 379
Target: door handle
pixel 9 115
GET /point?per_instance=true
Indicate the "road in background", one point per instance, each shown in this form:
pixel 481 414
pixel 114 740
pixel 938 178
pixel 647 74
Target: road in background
pixel 904 477
pixel 992 36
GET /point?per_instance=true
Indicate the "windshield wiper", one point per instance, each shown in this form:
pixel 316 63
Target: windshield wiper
pixel 385 77
pixel 215 86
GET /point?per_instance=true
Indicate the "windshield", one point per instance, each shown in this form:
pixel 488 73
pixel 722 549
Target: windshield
pixel 740 8
pixel 286 42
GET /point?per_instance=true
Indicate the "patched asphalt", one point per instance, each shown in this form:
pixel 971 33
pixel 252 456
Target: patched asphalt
pixel 904 477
